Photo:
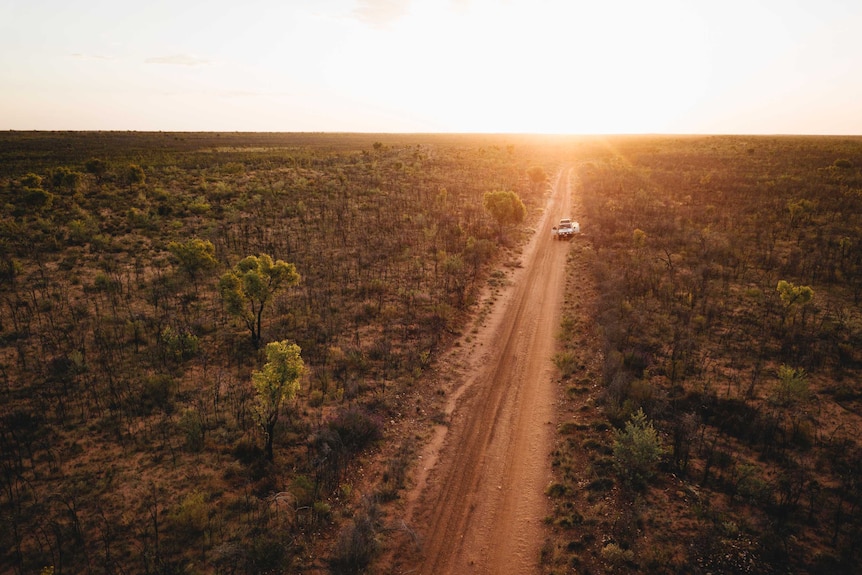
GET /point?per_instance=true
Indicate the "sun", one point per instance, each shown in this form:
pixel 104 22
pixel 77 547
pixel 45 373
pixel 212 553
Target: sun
pixel 524 66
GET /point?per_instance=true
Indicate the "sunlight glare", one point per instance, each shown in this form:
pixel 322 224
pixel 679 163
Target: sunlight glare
pixel 518 66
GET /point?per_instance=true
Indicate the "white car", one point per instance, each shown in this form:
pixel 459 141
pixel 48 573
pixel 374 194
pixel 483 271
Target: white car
pixel 566 229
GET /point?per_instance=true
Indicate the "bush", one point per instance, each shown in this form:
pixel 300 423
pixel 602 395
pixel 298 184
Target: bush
pixel 192 515
pixel 315 398
pixel 394 476
pixel 177 345
pixel 193 429
pixel 357 543
pixel 356 427
pixel 157 393
pixel 34 198
pixel 567 363
pixel 247 452
pixel 637 450
pixel 616 555
pixel 792 386
pixel 556 490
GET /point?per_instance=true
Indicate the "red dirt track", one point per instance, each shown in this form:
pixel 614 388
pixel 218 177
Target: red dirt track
pixel 479 501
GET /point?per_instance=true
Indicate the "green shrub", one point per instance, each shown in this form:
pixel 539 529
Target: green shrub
pixel 792 386
pixel 157 392
pixel 637 450
pixel 193 428
pixel 178 344
pixel 567 363
pixel 555 490
pixel 192 516
pixel 105 283
pixel 616 555
pixel 322 511
pixel 34 198
pixel 570 427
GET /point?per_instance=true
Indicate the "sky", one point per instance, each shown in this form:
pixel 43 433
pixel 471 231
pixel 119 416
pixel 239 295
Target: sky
pixel 492 66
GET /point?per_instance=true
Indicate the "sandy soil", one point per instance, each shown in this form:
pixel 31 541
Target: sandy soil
pixel 478 503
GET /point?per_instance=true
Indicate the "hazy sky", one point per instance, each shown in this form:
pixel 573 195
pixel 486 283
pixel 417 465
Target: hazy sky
pixel 559 66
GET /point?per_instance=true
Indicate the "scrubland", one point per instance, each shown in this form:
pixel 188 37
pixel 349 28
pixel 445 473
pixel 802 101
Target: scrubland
pixel 710 354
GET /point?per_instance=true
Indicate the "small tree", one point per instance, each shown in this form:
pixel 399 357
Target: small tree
pixel 194 256
pixel 29 195
pixel 792 386
pixel 247 288
pixel 637 450
pixel 97 167
pixel 537 177
pixel 275 384
pixel 793 297
pixel 135 175
pixel 505 207
pixel 639 238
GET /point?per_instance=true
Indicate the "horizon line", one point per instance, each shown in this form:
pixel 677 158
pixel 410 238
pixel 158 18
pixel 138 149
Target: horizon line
pixel 438 133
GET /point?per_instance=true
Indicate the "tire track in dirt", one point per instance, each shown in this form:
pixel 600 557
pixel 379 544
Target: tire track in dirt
pixel 479 503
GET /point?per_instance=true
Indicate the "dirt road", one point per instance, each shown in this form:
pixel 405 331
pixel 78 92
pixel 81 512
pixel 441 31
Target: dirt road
pixel 479 500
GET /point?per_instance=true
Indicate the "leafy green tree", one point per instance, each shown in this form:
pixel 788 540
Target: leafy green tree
pixel 275 384
pixel 178 345
pixel 637 450
pixel 505 207
pixel 793 297
pixel 248 287
pixel 194 256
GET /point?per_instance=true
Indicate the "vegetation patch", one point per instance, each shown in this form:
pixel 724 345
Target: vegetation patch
pixel 231 330
pixel 728 277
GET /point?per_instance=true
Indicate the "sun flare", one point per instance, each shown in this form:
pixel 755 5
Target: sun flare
pixel 525 67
